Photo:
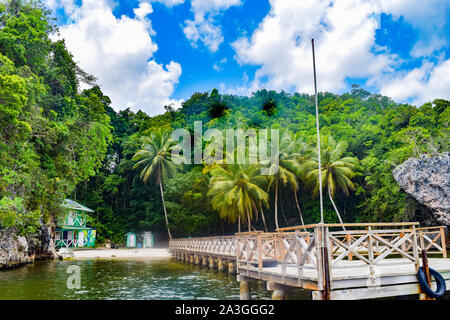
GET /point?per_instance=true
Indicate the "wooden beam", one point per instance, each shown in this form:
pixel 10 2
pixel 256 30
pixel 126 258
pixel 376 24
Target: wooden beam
pixel 377 292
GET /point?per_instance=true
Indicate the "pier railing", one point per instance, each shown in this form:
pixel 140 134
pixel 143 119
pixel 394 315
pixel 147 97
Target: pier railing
pixel 432 239
pixel 299 251
pixel 224 246
pixel 256 248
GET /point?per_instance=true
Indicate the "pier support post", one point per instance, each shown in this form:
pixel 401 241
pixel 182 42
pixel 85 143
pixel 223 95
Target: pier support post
pixel 317 295
pixel 196 260
pixel 191 259
pixel 220 264
pixel 204 261
pixel 211 262
pixel 244 287
pixel 278 291
pixel 231 269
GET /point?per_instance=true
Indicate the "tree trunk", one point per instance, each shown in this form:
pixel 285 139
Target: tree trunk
pixel 239 224
pixel 298 208
pixel 263 218
pixel 164 205
pixel 249 222
pixel 276 205
pixel 335 208
pixel 282 212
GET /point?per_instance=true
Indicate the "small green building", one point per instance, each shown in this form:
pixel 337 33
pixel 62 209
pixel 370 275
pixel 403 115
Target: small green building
pixel 131 240
pixel 143 239
pixel 71 231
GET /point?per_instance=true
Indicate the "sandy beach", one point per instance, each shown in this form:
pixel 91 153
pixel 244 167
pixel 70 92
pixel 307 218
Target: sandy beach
pixel 147 253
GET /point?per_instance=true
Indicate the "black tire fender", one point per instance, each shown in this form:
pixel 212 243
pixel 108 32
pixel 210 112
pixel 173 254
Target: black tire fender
pixel 440 283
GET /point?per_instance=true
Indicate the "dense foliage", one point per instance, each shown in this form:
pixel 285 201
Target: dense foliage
pixel 360 126
pixel 51 136
pixel 56 142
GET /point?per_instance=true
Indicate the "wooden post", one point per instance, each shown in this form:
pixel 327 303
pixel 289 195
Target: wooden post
pixel 443 243
pixel 211 262
pixel 231 269
pixel 219 264
pixel 371 257
pixel 196 260
pixel 426 270
pixel 278 291
pixel 415 248
pixel 319 264
pixel 260 258
pixel 204 261
pixel 349 243
pixel 326 266
pixel 244 287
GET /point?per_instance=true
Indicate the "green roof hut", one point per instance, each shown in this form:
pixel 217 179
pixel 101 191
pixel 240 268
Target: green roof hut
pixel 71 231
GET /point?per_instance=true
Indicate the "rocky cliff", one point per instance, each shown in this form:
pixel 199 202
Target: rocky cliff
pixel 13 249
pixel 16 250
pixel 427 179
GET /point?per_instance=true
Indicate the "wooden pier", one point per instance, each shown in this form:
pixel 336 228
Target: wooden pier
pixel 366 260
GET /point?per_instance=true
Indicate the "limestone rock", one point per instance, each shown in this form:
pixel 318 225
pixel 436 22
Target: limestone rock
pixel 65 253
pixel 22 244
pixel 13 249
pixel 427 179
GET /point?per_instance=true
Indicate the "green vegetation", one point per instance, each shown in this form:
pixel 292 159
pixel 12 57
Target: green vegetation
pixel 236 192
pixel 155 157
pixel 51 136
pixel 57 141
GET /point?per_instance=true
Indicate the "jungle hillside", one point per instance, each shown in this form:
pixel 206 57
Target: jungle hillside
pixel 59 141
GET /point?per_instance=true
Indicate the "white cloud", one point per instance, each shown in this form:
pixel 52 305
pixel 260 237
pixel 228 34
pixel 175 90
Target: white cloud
pixel 169 3
pixel 119 51
pixel 204 28
pixel 428 17
pixel 68 6
pixel 420 85
pixel 204 31
pixel 143 10
pixel 344 33
pixel 218 66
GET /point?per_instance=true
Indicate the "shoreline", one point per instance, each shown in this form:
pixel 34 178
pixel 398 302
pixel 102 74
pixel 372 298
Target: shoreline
pixel 131 253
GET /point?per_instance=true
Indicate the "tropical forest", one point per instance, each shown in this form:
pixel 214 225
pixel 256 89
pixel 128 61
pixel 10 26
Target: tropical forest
pixel 61 138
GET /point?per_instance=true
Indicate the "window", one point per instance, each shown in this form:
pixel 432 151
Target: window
pixel 71 217
pixel 58 235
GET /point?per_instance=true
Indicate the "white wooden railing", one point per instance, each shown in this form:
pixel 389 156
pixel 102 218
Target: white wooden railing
pixel 302 247
pixel 66 243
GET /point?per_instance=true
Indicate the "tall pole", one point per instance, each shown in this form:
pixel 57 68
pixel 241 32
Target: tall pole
pixel 318 134
pixel 323 232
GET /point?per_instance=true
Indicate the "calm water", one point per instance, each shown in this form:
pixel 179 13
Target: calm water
pixel 124 279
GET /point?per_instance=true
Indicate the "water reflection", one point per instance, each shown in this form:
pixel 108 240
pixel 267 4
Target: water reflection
pixel 122 279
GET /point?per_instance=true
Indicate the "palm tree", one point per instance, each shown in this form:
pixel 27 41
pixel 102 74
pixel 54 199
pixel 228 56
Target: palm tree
pixel 236 191
pixel 156 159
pixel 337 172
pixel 291 153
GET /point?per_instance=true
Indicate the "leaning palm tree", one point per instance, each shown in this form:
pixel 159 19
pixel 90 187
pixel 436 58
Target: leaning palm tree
pixel 337 171
pixel 291 153
pixel 155 158
pixel 236 192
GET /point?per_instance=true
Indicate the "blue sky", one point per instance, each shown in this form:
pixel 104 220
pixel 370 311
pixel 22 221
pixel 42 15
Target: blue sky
pixel 150 53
